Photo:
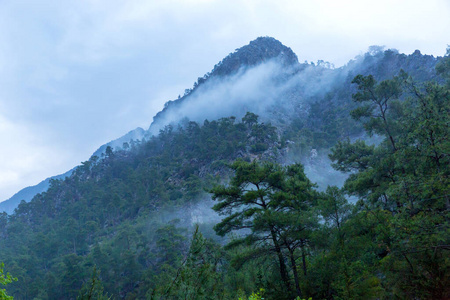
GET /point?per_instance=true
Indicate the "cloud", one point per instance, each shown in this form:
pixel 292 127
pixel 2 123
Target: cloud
pixel 253 88
pixel 23 156
pixel 265 89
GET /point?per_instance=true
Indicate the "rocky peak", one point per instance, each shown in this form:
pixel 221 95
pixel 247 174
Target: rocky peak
pixel 260 50
pixel 256 52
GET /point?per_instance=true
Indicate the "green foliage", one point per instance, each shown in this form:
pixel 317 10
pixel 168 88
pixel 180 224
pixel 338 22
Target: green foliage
pixel 113 211
pixel 254 296
pixel 4 280
pixel 403 182
pixel 93 289
pixel 275 204
pixel 198 275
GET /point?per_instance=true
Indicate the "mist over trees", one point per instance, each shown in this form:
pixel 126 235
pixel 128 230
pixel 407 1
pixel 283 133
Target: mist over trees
pixel 129 224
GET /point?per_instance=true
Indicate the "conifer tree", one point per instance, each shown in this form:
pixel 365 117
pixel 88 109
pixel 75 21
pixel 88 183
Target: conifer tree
pixel 273 203
pixel 407 175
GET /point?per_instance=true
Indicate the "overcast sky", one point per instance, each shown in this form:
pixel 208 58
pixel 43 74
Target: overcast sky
pixel 77 74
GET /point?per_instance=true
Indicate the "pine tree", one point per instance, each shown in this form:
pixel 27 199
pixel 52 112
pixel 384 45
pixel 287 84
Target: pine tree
pixel 407 175
pixel 273 203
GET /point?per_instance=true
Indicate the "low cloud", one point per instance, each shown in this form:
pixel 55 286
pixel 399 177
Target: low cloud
pixel 22 160
pixel 267 87
pixel 249 90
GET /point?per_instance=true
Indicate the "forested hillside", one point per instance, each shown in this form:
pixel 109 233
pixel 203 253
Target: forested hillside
pixel 309 103
pixel 138 222
pixel 109 212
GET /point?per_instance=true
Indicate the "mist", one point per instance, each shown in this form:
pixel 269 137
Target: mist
pixel 266 89
pixel 276 92
pixel 250 89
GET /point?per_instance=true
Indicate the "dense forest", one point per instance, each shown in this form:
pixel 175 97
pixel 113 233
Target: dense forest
pixel 124 225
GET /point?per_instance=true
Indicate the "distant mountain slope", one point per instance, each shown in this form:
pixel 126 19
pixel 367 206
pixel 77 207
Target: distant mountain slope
pixel 133 135
pixel 28 193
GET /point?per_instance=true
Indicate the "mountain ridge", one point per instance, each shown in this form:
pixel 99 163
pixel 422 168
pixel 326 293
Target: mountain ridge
pixel 27 193
pixel 260 51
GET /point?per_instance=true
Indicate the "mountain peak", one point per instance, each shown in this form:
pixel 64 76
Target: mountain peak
pixel 256 52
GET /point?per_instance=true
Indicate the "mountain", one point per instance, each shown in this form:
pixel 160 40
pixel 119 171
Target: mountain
pixel 26 194
pixel 234 66
pixel 265 77
pixel 135 135
pixel 261 50
pixel 130 211
pixel 256 52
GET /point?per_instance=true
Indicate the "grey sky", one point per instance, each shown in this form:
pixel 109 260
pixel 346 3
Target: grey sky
pixel 77 74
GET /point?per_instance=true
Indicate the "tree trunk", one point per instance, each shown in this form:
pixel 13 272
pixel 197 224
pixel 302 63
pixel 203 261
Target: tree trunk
pixel 303 258
pixel 283 269
pixel 294 269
